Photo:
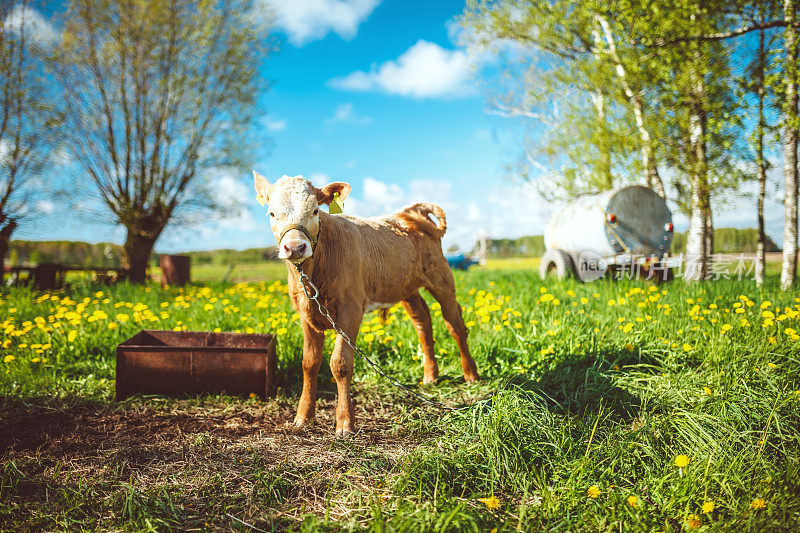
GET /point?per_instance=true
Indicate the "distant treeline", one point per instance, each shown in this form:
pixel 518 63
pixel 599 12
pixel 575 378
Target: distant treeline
pixel 235 257
pixel 105 254
pixel 530 246
pixel 726 240
pixel 76 253
pixel 729 241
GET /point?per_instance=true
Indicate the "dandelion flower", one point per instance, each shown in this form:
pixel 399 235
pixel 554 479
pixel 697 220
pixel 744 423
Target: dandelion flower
pixel 707 391
pixel 682 461
pixel 8 358
pixel 708 507
pixel 693 521
pixel 758 503
pixel 687 347
pixel 71 335
pixel 492 502
pixel 633 501
pixel 593 492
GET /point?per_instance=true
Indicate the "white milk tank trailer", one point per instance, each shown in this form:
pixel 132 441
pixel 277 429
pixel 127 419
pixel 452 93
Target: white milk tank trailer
pixel 622 231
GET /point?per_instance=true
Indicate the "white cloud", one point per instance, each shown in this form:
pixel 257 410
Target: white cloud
pixel 345 114
pixel 319 179
pixel 305 21
pixel 234 197
pixel 511 210
pixel 426 70
pixel 33 23
pixel 45 206
pixel 273 124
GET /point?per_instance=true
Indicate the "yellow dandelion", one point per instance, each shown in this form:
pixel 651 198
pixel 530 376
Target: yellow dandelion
pixel 708 507
pixel 633 501
pixel 8 358
pixel 682 461
pixel 593 492
pixel 71 335
pixel 758 503
pixel 693 521
pixel 707 391
pixel 687 347
pixel 492 502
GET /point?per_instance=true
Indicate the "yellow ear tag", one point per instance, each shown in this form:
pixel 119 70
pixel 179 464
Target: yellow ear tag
pixel 260 199
pixel 335 206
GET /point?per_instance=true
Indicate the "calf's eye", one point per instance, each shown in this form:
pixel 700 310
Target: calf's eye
pixel 272 214
pixel 316 211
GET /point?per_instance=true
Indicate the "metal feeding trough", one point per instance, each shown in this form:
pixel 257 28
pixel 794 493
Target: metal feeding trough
pixel 176 363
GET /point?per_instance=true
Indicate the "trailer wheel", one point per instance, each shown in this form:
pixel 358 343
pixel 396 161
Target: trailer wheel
pixel 556 263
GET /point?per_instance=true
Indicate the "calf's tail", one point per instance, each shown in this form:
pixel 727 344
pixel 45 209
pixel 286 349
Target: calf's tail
pixel 417 217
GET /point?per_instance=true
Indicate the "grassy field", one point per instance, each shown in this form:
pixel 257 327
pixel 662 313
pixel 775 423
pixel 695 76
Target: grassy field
pixel 604 407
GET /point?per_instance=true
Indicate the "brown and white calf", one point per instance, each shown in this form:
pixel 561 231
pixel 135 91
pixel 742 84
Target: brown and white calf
pixel 359 265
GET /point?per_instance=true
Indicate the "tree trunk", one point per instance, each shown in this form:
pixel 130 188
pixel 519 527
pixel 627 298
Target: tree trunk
pixel 698 242
pixel 5 240
pixel 761 166
pixel 652 177
pixel 137 250
pixel 709 233
pixel 789 268
pixel 599 101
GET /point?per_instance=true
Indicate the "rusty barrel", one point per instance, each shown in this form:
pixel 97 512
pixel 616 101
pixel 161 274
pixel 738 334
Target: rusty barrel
pixel 175 269
pixel 177 363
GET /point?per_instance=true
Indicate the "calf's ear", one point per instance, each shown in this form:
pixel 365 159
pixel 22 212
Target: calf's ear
pixel 325 194
pixel 262 188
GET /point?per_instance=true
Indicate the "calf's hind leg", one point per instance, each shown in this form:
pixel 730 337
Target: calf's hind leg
pixel 417 309
pixel 444 290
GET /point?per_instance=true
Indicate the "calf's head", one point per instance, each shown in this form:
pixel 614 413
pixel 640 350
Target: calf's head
pixel 294 211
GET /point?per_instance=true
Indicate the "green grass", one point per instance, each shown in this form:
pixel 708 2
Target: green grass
pixel 598 385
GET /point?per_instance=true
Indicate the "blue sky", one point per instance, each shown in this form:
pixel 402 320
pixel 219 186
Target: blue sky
pixel 377 94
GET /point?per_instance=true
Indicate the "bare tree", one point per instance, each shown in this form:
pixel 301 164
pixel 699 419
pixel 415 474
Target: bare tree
pixel 157 92
pixel 27 118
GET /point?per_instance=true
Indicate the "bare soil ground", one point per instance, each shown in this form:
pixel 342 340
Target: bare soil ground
pixel 240 459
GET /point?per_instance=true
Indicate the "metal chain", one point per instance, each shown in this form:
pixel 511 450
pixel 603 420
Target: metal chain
pixel 305 283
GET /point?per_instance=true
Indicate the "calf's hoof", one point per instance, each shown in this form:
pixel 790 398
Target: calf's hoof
pixel 300 422
pixel 471 378
pixel 343 432
pixel 429 380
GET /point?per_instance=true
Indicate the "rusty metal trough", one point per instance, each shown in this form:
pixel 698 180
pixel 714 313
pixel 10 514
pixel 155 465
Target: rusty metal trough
pixel 176 363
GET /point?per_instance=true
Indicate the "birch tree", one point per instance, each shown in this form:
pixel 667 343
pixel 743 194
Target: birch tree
pixel 157 92
pixel 790 134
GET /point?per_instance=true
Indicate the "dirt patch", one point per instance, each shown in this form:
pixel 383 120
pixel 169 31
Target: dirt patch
pixel 240 454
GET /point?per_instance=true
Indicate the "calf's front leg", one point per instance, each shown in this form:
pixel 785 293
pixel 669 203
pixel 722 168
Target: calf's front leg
pixel 349 318
pixel 313 342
